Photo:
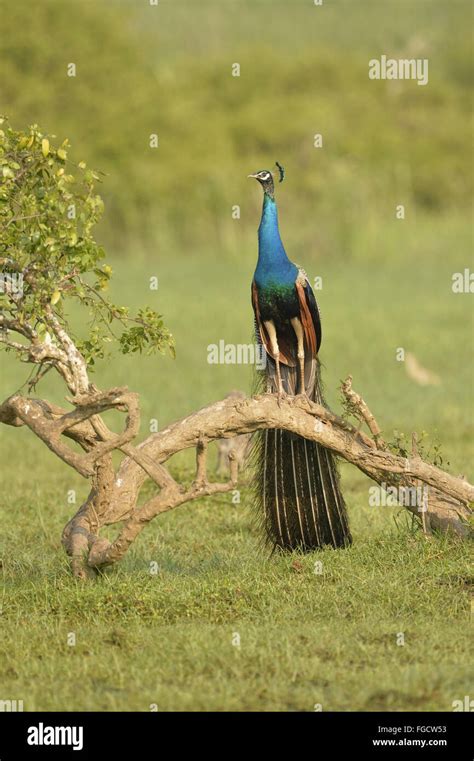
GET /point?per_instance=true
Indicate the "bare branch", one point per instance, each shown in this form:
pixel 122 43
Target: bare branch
pixel 79 380
pixel 361 410
pixel 13 344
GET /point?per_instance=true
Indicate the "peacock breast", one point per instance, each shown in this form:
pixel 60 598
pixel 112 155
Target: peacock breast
pixel 277 300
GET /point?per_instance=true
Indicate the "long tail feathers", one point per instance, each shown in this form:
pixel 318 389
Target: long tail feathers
pixel 297 488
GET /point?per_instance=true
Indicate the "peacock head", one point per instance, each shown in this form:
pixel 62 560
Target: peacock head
pixel 265 178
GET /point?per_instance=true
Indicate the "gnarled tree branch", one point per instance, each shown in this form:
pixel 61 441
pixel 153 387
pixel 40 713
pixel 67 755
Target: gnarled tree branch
pixel 114 495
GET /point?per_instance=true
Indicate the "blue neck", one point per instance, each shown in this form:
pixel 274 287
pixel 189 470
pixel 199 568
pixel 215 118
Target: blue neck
pixel 271 253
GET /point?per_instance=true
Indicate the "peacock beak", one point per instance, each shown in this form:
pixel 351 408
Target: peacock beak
pixel 254 176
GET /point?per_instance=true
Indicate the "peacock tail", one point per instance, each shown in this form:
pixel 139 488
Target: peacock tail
pixel 296 487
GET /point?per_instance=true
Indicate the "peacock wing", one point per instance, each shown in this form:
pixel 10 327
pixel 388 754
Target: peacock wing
pixel 309 313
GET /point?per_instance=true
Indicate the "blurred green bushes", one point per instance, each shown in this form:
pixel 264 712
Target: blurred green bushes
pixel 167 70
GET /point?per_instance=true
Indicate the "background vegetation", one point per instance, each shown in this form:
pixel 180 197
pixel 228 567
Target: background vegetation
pixel 166 69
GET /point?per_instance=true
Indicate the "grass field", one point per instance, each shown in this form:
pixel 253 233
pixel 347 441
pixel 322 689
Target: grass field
pixel 387 624
pixel 306 638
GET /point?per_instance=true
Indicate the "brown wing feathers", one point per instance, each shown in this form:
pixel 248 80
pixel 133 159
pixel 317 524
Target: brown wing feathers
pixel 306 319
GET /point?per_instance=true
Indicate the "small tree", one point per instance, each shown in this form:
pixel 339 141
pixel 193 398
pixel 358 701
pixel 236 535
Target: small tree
pixel 49 258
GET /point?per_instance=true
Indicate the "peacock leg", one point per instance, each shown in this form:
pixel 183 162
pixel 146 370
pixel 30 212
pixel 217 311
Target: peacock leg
pixel 272 334
pixel 298 328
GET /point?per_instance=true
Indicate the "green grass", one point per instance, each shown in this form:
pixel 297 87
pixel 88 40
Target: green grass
pixel 305 638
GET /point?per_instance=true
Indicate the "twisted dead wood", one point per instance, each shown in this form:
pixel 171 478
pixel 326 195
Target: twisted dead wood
pixel 114 494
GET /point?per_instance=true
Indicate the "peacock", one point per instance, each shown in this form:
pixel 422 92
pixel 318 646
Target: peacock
pixel 297 481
